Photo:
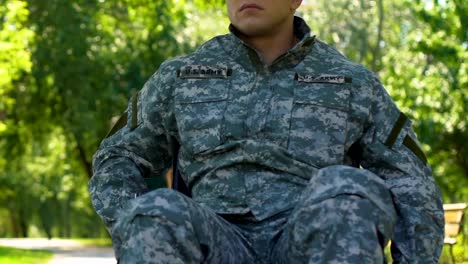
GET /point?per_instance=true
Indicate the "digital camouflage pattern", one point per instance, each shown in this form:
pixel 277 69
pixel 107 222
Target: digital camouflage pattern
pixel 348 208
pixel 264 142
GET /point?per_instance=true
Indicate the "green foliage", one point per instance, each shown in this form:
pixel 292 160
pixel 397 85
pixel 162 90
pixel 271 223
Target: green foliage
pixel 206 21
pixel 75 64
pixel 15 256
pixel 431 85
pixel 14 38
pixel 84 60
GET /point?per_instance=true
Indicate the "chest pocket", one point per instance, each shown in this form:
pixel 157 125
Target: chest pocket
pixel 318 122
pixel 199 109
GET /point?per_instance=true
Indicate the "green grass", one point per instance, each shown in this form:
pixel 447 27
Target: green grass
pixel 445 258
pixel 458 252
pixel 96 242
pixel 24 256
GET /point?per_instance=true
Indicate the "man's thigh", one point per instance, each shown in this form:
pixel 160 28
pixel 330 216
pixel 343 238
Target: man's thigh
pixel 165 226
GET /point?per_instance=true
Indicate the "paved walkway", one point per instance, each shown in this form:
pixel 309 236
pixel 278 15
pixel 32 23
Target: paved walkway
pixel 65 251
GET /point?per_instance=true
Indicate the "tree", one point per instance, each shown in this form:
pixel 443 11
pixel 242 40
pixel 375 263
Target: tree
pixel 15 63
pixel 74 64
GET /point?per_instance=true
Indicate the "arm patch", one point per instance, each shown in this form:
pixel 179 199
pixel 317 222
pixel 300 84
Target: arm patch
pixel 413 146
pixel 118 125
pixel 400 123
pixel 407 141
pixel 135 111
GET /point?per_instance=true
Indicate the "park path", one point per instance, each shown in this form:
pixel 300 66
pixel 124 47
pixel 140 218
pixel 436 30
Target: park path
pixel 65 251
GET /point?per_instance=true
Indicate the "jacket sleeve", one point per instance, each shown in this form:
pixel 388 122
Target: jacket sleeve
pixel 390 149
pixel 137 150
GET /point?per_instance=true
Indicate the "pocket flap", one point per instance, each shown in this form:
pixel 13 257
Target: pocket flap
pixel 324 94
pixel 189 91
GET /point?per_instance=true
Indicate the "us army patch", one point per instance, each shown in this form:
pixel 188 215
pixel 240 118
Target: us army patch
pixel 323 78
pixel 203 72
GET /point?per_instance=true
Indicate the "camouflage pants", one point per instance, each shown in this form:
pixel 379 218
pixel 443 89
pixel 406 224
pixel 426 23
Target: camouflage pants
pixel 345 216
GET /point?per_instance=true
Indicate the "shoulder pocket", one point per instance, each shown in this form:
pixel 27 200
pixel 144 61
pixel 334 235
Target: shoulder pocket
pixel 199 109
pixel 319 121
pixel 189 91
pixel 323 94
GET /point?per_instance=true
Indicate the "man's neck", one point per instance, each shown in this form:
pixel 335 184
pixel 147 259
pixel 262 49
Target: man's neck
pixel 273 45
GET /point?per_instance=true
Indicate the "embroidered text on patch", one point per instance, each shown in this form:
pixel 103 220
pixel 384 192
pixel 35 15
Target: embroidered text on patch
pixel 203 72
pixel 323 78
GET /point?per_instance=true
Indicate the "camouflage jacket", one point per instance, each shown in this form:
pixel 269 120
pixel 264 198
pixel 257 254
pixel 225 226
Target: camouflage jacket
pixel 252 136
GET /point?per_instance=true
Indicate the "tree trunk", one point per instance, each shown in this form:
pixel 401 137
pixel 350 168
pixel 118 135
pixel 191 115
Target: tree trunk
pixel 84 159
pixel 47 217
pixel 23 222
pixel 24 228
pixel 14 224
pixel 68 224
pixel 461 152
pixel 376 56
pixel 81 151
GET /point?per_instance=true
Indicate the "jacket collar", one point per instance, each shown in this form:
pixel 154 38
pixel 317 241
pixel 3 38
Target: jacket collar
pixel 250 58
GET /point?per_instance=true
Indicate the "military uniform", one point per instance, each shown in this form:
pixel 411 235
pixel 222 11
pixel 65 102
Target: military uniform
pixel 272 156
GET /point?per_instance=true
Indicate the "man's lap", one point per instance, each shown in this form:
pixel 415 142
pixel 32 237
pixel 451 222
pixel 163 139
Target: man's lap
pixel 349 195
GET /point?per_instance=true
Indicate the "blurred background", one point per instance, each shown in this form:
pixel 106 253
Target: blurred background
pixel 68 67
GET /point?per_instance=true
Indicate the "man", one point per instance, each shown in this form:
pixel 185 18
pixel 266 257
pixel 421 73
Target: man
pixel 273 126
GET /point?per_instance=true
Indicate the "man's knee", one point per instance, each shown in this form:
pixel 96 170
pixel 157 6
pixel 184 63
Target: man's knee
pixel 318 231
pixel 341 180
pixel 160 207
pixel 340 193
pixel 165 204
pixel 335 211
